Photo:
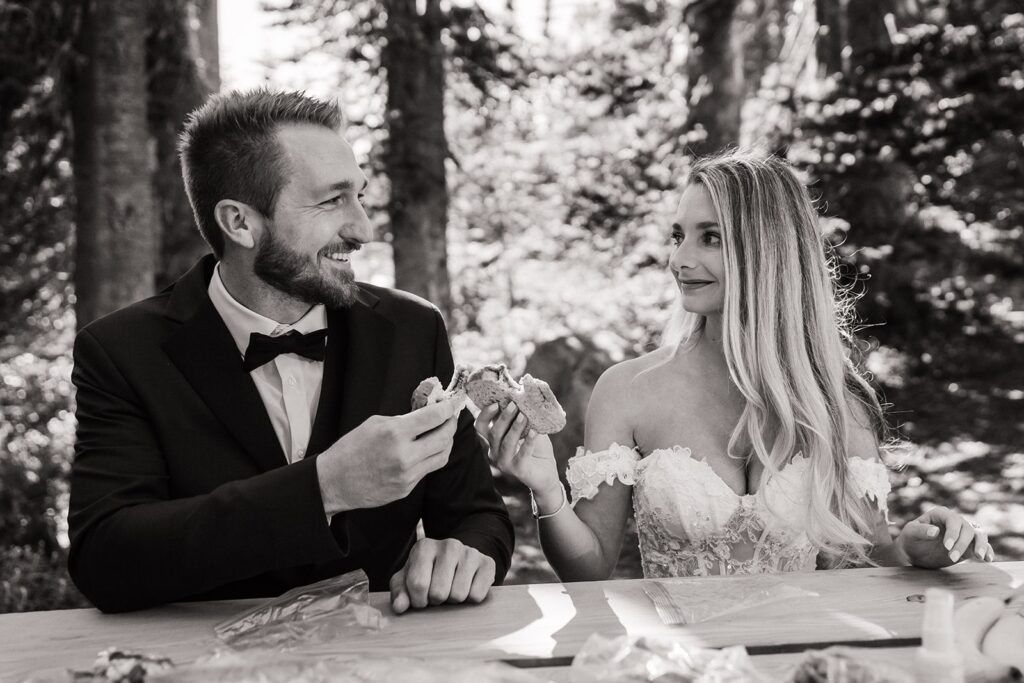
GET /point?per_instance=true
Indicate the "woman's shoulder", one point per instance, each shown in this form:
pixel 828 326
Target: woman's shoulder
pixel 626 374
pixel 861 440
pixel 619 398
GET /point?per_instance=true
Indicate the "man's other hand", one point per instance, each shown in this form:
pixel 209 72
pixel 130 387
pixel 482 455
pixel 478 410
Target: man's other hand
pixel 445 571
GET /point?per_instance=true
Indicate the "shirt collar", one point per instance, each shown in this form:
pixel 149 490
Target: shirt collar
pixel 242 321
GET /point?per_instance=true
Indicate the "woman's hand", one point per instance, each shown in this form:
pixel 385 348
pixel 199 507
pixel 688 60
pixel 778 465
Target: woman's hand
pixel 519 451
pixel 942 537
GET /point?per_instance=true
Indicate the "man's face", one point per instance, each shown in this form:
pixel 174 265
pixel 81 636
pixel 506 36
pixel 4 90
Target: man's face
pixel 318 221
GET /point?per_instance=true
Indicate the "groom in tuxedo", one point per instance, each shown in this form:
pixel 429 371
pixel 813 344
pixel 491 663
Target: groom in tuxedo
pixel 248 429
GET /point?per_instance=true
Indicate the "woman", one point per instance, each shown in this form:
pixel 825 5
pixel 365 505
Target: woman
pixel 748 442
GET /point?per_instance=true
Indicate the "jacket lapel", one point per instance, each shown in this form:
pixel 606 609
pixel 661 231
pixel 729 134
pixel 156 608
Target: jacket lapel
pixel 204 352
pixel 368 357
pixel 325 424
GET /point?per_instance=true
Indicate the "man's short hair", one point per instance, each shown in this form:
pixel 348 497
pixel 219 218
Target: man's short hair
pixel 229 150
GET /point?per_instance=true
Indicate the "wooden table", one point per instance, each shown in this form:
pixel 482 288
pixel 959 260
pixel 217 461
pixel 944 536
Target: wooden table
pixel 540 626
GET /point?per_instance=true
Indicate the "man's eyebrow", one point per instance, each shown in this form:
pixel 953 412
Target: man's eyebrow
pixel 344 186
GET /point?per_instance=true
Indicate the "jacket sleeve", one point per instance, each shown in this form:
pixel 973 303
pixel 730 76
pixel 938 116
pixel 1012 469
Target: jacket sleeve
pixel 461 499
pixel 135 545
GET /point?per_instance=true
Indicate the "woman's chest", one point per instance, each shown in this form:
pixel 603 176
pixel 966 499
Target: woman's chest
pixel 705 426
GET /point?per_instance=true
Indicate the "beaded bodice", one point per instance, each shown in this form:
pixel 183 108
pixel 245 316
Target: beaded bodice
pixel 691 523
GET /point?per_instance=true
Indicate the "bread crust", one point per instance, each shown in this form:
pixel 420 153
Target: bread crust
pixel 534 398
pixel 430 390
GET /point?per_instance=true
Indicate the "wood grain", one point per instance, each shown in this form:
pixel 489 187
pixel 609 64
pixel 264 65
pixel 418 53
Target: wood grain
pixel 536 621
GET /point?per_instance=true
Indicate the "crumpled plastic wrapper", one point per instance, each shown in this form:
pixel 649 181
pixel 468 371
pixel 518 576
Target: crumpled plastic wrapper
pixel 846 665
pixel 321 612
pixel 680 602
pixel 255 666
pixel 113 665
pixel 269 666
pixel 635 659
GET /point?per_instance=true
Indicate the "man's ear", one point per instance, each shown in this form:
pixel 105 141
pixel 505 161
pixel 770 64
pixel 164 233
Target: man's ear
pixel 240 223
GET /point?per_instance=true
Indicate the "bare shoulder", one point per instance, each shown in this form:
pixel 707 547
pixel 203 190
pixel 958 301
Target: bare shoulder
pixel 622 379
pixel 861 441
pixel 618 400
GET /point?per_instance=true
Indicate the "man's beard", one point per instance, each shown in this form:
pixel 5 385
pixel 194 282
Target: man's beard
pixel 298 276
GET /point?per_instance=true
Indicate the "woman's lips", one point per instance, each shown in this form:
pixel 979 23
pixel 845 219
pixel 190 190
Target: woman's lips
pixel 691 285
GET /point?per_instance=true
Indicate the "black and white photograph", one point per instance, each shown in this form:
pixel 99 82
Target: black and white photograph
pixel 539 341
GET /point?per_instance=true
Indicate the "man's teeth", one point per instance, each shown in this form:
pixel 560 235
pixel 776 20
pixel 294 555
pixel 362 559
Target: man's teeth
pixel 338 256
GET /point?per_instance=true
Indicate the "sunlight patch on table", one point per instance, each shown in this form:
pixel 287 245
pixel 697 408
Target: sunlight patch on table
pixel 536 639
pixel 634 610
pixel 864 626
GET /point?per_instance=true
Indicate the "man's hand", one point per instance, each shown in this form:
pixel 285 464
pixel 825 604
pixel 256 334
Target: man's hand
pixel 941 537
pixel 439 572
pixel 383 459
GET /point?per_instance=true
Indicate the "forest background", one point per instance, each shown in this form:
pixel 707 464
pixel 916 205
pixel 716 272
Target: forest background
pixel 522 178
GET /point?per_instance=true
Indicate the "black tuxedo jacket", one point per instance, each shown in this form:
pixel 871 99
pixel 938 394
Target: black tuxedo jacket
pixel 180 489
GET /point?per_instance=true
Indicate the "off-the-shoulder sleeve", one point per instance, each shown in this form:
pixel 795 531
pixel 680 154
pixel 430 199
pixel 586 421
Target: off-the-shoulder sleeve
pixel 870 478
pixel 587 470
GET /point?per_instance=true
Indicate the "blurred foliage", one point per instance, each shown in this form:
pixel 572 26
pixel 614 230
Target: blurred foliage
pixel 36 302
pixel 564 163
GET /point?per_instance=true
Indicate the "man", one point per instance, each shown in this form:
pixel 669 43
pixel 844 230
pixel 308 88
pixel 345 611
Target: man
pixel 248 429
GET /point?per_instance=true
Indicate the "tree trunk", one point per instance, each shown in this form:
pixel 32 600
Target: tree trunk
pixel 113 162
pixel 183 69
pixel 848 29
pixel 416 150
pixel 716 74
pixel 866 30
pixel 831 38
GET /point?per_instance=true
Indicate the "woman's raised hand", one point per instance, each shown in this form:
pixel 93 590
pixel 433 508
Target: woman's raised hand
pixel 517 450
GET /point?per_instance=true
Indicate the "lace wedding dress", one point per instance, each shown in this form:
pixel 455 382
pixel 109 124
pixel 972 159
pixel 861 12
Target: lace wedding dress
pixel 690 522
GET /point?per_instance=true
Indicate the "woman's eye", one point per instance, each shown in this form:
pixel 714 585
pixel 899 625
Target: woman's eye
pixel 677 238
pixel 712 239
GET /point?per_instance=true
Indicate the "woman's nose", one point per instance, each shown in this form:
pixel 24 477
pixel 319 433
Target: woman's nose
pixel 681 258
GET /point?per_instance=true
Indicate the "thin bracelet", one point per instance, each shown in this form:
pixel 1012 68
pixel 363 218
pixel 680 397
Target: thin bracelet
pixel 536 512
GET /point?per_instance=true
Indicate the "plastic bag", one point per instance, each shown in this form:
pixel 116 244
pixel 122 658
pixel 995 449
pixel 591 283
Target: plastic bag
pixel 656 659
pixel 684 602
pixel 271 667
pixel 113 665
pixel 317 613
pixel 846 665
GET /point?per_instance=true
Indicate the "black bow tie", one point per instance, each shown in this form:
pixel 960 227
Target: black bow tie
pixel 263 349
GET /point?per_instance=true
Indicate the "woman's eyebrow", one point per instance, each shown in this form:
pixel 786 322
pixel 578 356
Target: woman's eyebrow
pixel 703 225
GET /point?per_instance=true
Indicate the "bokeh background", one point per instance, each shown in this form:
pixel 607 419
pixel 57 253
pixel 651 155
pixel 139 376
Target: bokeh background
pixel 524 157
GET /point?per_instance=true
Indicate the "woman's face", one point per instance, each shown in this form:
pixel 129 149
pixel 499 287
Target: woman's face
pixel 697 262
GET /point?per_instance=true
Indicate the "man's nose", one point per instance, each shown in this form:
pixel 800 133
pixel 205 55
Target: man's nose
pixel 360 229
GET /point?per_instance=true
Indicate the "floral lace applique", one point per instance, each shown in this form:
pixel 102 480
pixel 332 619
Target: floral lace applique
pixel 691 523
pixel 870 478
pixel 587 470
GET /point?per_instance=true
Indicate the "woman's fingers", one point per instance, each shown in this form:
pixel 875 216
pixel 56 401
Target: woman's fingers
pixel 951 523
pixel 923 531
pixel 981 546
pixel 510 444
pixel 963 541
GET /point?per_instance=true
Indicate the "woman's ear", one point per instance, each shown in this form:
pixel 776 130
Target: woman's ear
pixel 240 223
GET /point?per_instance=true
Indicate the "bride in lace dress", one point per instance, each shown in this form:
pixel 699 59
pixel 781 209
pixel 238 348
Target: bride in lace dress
pixel 748 442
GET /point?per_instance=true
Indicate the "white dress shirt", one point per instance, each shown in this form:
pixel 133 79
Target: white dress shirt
pixel 290 384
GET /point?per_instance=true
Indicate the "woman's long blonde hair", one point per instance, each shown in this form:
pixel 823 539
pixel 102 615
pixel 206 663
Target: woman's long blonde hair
pixel 786 332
